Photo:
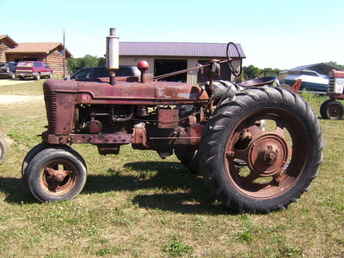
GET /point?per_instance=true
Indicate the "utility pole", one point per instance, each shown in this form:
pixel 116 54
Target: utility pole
pixel 64 54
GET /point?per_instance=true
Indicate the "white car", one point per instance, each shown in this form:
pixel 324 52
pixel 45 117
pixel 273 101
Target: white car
pixel 311 80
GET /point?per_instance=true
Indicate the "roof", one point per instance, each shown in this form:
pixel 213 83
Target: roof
pixel 8 41
pixel 37 47
pixel 178 49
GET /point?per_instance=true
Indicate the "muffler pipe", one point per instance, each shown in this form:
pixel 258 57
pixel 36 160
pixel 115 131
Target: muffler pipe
pixel 112 54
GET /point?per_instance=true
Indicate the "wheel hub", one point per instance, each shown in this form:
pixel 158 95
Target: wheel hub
pixel 267 154
pixel 334 110
pixel 56 176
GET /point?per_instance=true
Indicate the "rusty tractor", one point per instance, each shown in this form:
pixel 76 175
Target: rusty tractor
pixel 332 108
pixel 257 145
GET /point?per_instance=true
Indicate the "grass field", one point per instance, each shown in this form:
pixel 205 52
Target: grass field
pixel 137 205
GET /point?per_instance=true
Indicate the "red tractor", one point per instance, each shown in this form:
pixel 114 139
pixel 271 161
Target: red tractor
pixel 332 108
pixel 258 145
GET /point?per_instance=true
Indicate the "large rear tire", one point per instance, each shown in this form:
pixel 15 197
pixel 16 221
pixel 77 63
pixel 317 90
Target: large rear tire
pixel 257 166
pixel 55 175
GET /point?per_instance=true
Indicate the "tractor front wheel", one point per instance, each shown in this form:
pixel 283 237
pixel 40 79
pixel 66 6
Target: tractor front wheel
pixel 261 150
pixel 323 109
pixel 41 146
pixel 3 148
pixel 335 110
pixel 55 175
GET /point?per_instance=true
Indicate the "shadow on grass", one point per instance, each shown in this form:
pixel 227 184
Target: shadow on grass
pixel 179 191
pixel 15 190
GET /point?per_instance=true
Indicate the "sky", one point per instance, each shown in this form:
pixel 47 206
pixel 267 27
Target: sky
pixel 273 33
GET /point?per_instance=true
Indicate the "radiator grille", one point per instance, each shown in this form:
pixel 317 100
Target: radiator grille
pixel 51 108
pixel 331 85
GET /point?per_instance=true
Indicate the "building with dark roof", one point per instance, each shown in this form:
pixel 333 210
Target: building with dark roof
pixel 165 57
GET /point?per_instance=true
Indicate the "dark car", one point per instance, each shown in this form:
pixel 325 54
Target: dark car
pixel 34 69
pixel 8 70
pixel 101 74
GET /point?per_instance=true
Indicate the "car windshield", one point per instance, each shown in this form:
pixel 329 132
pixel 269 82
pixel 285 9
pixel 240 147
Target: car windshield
pixel 310 73
pixel 81 74
pixel 127 71
pixel 25 64
pixel 100 73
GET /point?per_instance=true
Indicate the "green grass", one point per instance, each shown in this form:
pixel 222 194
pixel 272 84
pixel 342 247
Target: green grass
pixel 136 205
pixel 31 88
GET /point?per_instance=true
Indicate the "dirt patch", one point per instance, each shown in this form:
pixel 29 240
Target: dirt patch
pixel 12 82
pixel 8 99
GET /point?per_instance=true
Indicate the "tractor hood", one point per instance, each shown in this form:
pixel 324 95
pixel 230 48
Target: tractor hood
pixel 130 91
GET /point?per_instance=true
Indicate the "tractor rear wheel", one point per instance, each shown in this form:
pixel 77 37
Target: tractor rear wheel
pixel 261 150
pixel 55 175
pixel 335 110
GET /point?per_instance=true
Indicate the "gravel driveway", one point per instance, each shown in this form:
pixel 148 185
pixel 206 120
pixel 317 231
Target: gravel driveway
pixel 12 82
pixel 7 99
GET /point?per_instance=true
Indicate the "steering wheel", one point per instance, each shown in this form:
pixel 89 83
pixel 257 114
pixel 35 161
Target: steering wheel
pixel 234 71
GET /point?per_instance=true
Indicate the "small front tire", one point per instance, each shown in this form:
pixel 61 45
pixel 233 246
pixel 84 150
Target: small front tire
pixel 323 109
pixel 41 146
pixel 55 175
pixel 335 110
pixel 3 149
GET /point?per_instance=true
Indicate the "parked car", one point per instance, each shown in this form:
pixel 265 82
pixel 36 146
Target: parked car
pixel 101 74
pixel 311 80
pixel 33 69
pixel 8 70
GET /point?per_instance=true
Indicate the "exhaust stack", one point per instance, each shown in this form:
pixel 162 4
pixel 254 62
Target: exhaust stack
pixel 112 54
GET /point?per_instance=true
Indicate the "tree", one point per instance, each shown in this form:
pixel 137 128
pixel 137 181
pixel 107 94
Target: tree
pixel 251 72
pixel 75 64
